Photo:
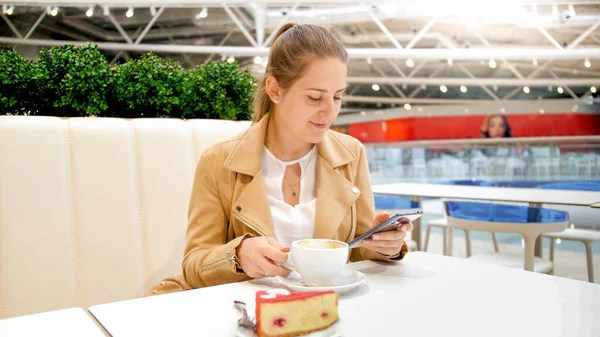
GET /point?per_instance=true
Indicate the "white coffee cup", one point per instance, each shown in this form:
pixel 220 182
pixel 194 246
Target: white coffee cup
pixel 318 261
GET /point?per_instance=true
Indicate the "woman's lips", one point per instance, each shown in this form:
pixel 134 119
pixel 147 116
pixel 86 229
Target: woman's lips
pixel 318 125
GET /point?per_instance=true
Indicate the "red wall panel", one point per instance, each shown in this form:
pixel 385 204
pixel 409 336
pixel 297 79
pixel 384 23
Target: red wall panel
pixel 460 127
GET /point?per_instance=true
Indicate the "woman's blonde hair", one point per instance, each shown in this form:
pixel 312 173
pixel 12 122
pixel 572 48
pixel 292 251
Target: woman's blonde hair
pixel 293 48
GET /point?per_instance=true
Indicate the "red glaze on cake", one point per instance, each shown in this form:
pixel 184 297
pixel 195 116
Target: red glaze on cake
pixel 280 313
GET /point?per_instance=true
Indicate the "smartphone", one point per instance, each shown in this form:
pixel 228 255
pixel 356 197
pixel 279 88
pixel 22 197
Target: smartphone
pixel 393 223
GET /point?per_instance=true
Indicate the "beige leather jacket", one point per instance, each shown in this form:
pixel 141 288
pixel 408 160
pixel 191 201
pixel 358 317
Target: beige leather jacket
pixel 229 202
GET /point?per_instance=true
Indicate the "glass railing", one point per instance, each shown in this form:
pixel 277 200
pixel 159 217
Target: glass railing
pixel 515 162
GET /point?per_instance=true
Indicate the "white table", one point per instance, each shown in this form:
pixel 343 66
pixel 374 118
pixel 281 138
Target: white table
pixel 74 322
pixel 508 194
pixel 423 295
pixel 535 197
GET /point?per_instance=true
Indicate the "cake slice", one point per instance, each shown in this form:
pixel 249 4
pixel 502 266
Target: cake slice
pixel 280 313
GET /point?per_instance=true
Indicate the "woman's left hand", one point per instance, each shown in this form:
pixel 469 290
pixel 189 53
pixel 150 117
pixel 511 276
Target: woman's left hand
pixel 387 243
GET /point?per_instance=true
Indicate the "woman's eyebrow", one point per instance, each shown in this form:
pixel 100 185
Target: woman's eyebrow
pixel 325 90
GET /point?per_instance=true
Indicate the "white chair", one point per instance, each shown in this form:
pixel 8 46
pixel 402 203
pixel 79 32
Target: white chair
pixel 531 222
pixel 585 236
pixel 443 224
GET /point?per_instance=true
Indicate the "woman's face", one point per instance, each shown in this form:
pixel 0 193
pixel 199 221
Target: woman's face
pixel 496 127
pixel 309 106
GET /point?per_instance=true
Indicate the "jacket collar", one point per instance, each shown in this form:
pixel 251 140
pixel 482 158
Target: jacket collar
pixel 246 156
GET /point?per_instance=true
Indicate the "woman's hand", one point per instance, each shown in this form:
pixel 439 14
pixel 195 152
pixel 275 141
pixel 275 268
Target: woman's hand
pixel 261 256
pixel 388 243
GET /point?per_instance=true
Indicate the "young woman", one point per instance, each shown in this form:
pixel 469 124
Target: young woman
pixel 495 126
pixel 287 178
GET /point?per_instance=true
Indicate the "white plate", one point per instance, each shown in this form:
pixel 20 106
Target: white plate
pixel 346 281
pixel 332 331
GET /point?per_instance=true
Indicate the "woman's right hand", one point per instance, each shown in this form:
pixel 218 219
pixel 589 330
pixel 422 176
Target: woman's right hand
pixel 261 256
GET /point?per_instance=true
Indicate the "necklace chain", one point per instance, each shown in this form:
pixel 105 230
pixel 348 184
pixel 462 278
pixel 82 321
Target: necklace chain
pixel 301 173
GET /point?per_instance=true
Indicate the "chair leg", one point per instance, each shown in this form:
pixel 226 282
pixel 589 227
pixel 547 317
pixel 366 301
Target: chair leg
pixel 427 238
pixel 551 254
pixel 468 242
pixel 552 250
pixel 495 242
pixel 445 240
pixel 590 262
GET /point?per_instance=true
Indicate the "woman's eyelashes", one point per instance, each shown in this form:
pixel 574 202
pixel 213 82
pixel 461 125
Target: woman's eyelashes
pixel 318 99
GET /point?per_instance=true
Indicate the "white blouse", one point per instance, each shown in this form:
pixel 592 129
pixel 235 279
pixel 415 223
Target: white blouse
pixel 291 222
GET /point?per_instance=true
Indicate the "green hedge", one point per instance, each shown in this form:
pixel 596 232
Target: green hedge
pixel 78 81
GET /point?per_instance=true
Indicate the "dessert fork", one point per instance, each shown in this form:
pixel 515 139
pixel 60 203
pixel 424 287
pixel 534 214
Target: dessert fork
pixel 246 321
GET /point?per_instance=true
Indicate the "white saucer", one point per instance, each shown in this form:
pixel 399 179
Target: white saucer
pixel 346 281
pixel 333 331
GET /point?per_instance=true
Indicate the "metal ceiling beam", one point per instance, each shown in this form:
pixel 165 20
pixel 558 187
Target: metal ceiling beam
pixel 486 89
pixel 570 47
pixel 566 88
pixel 504 61
pixel 12 26
pixel 279 25
pixel 422 32
pixel 418 89
pixel 549 37
pixel 584 35
pixel 35 25
pixel 454 81
pixel 240 26
pixel 383 28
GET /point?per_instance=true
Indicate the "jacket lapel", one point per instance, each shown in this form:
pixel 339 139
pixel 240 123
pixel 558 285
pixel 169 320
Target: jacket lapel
pixel 251 206
pixel 335 193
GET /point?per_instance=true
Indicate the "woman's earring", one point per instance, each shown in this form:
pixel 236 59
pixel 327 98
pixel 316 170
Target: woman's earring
pixel 275 101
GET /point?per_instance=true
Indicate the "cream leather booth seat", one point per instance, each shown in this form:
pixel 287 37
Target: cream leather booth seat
pixel 94 210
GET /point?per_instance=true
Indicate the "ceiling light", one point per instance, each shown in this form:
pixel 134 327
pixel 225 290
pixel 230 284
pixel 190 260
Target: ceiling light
pixel 466 111
pixel 8 11
pixel 587 63
pixel 410 63
pixel 593 90
pixel 450 62
pixel 230 59
pixel 492 64
pixel 203 14
pixel 152 10
pixel 363 113
pixel 90 12
pixel 526 90
pixel 407 107
pixel 443 88
pixel 535 62
pixel 369 61
pixel 542 111
pixel 572 10
pixel 54 11
pixel 503 110
pixel 258 60
pixel 560 90
pixel 375 87
pixel 129 12
pixel 463 89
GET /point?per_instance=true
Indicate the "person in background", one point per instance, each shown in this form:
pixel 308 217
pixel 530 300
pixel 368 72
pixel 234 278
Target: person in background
pixel 495 126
